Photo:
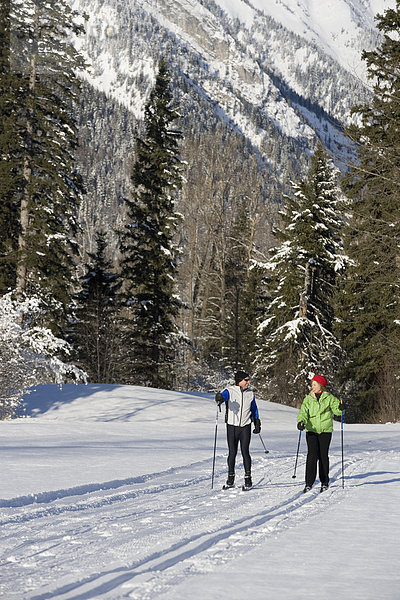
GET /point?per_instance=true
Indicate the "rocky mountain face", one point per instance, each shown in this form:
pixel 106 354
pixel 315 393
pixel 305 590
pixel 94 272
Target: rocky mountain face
pixel 280 74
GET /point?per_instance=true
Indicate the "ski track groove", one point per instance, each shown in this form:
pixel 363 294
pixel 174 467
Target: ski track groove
pixel 184 550
pixel 97 502
pixel 80 490
pixel 155 572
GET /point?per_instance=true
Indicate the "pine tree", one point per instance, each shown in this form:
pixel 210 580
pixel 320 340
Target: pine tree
pixel 241 296
pixel 9 151
pixel 148 249
pixel 29 353
pixel 295 334
pixel 96 330
pixel 369 308
pixel 42 197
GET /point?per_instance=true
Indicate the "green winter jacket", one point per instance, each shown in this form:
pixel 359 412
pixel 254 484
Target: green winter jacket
pixel 317 414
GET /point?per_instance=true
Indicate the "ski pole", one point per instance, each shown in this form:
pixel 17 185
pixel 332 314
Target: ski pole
pixel 215 446
pixel 297 456
pixel 266 451
pixel 341 431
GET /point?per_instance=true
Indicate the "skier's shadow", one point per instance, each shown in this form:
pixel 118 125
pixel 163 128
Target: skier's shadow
pixel 375 473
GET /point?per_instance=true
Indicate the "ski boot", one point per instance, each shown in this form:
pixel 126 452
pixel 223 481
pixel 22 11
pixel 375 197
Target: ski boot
pixel 247 481
pixel 230 482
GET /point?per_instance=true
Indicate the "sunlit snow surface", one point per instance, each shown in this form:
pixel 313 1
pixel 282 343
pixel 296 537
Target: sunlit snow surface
pixel 336 26
pixel 106 493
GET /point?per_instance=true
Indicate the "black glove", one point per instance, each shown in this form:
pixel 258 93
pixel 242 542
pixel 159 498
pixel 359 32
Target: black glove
pixel 300 426
pixel 219 398
pixel 257 426
pixel 342 406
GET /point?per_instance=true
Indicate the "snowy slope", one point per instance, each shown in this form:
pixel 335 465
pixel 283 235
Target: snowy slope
pixel 106 493
pixel 339 27
pixel 246 59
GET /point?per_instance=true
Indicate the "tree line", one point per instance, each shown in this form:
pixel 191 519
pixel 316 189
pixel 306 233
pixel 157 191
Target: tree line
pixel 209 276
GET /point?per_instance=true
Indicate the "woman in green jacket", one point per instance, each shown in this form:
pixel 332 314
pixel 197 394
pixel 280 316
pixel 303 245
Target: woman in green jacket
pixel 316 417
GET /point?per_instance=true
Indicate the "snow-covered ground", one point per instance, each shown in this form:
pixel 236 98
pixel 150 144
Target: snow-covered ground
pixel 105 492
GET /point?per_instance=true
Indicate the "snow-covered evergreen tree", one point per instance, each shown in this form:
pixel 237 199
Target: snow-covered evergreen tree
pixel 29 353
pixel 10 150
pixel 148 248
pixel 370 307
pixel 95 332
pixel 42 196
pixel 295 335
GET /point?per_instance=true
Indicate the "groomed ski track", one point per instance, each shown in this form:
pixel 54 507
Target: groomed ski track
pixel 139 538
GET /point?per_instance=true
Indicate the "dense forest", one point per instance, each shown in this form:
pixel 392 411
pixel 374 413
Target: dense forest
pixel 170 249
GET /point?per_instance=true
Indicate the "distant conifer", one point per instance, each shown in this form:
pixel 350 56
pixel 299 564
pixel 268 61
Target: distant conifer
pixel 148 248
pixel 95 330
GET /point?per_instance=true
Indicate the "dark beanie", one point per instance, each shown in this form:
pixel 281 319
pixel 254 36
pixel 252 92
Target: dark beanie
pixel 240 375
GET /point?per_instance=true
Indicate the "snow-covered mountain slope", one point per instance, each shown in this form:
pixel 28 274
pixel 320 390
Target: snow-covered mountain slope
pixel 106 494
pixel 278 74
pixel 289 68
pixel 341 28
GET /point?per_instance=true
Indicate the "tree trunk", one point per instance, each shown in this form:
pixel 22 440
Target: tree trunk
pixel 22 271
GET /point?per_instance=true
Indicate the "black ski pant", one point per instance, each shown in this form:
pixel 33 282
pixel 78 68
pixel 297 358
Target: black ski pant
pixel 235 435
pixel 318 448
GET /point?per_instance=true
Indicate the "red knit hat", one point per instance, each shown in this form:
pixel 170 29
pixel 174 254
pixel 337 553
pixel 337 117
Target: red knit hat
pixel 320 379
